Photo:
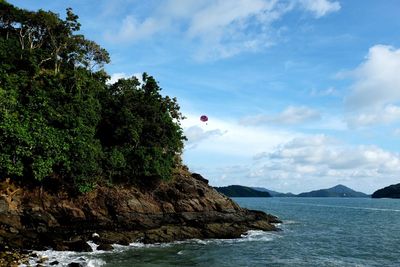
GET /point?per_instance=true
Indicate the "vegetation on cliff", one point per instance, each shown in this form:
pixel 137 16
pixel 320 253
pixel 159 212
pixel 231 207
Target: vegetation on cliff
pixel 59 119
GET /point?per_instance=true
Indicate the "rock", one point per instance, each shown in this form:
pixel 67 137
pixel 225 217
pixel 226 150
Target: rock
pixel 95 235
pixel 75 264
pixel 4 206
pixel 54 263
pixel 105 247
pixel 78 246
pixel 13 230
pixel 42 259
pixel 199 177
pixel 13 257
pixel 185 207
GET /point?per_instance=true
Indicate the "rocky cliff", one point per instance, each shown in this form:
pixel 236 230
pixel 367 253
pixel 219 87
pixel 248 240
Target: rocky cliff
pixel 176 210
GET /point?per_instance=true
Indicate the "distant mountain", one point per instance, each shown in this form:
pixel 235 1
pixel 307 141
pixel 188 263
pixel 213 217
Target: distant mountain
pixel 336 191
pixel 241 191
pixel 392 191
pixel 274 193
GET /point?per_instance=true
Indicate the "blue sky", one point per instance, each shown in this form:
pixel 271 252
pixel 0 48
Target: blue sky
pixel 300 94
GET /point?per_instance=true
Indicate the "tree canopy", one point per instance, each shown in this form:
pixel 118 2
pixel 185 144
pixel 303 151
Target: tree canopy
pixel 59 119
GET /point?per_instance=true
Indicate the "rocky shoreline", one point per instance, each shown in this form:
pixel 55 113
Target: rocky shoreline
pixel 184 208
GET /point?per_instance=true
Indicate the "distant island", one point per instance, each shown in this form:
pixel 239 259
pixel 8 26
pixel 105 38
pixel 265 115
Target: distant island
pixel 336 191
pixel 274 193
pixel 392 191
pixel 244 191
pixel 241 191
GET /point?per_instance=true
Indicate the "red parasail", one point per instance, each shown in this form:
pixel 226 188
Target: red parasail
pixel 203 118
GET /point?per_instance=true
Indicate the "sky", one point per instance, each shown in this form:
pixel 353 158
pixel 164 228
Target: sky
pixel 300 94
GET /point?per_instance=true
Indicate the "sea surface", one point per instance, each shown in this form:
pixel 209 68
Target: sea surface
pixel 315 232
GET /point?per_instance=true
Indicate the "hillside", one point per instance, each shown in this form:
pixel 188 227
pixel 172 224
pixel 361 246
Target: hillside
pixel 392 191
pixel 241 191
pixel 336 191
pixel 274 193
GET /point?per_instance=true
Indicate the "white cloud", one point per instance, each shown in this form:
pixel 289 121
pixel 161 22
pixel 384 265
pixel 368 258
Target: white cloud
pixel 220 28
pixel 330 91
pixel 323 153
pixel 213 19
pixel 386 115
pixel 318 159
pixel 320 8
pixel 375 93
pixel 230 153
pixel 195 134
pixel 230 139
pixel 134 30
pixel 377 79
pixel 291 115
pixel 227 158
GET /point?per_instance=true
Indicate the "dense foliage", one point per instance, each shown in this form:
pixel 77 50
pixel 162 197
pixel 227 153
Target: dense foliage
pixel 59 119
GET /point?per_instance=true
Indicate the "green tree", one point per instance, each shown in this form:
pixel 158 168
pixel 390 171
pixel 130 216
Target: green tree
pixel 49 97
pixel 60 120
pixel 142 128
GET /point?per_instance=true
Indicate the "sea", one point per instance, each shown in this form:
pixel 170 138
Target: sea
pixel 314 232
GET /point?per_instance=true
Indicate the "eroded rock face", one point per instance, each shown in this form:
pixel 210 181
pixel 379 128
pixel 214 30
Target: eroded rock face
pixel 181 209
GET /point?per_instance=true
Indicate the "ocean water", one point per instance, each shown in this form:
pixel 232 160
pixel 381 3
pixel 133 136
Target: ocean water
pixel 315 232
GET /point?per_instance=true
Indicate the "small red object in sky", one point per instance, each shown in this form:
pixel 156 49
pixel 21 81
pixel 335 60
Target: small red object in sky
pixel 203 118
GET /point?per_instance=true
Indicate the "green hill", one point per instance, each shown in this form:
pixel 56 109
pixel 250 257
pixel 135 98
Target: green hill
pixel 392 191
pixel 241 191
pixel 336 191
pixel 274 193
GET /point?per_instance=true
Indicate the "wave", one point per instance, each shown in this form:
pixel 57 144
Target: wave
pixel 249 236
pixel 257 235
pixel 64 258
pixel 91 259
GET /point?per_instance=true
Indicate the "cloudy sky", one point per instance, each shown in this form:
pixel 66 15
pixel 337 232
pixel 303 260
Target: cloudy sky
pixel 300 94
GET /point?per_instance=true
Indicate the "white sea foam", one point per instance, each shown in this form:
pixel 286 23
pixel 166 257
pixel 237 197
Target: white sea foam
pixel 257 235
pixel 93 245
pixel 88 259
pixel 95 263
pixel 249 236
pixel 289 222
pixel 91 259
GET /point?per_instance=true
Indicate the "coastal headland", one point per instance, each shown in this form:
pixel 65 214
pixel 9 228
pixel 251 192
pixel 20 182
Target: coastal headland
pixel 184 208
